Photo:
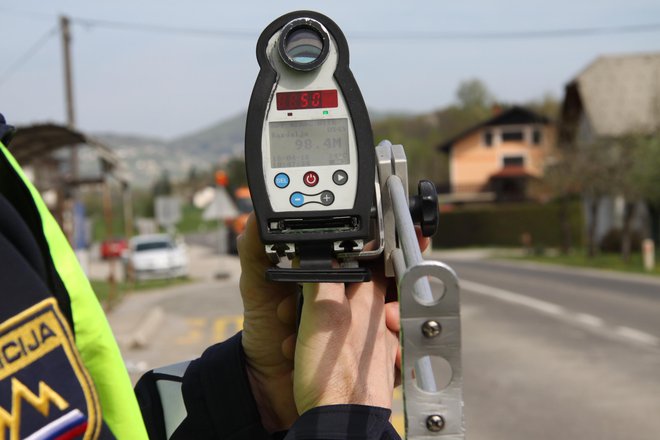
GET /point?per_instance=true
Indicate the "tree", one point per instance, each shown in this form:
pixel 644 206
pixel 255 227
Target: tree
pixel 634 176
pixel 585 168
pixel 163 186
pixel 560 176
pixel 646 175
pixel 626 167
pixel 548 106
pixel 473 93
pixel 235 169
pixel 193 174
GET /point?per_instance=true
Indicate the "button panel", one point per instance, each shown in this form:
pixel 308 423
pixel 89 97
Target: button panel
pixel 325 198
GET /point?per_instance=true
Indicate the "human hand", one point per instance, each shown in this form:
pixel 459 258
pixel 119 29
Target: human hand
pixel 269 335
pixel 345 353
pixel 269 329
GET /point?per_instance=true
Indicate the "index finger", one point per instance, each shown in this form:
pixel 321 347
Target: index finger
pixel 250 247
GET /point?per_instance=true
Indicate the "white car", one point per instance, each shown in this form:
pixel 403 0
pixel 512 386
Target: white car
pixel 157 256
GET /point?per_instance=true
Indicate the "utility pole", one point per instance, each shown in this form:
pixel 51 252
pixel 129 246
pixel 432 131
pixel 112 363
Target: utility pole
pixel 69 192
pixel 68 89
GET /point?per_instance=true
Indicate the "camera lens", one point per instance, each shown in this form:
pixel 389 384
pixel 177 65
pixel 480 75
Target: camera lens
pixel 303 44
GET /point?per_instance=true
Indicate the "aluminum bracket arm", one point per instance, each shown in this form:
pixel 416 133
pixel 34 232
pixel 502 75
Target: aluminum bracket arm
pixel 430 335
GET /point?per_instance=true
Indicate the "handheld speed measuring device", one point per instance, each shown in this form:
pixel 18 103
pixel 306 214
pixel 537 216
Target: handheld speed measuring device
pixel 325 196
pixel 309 150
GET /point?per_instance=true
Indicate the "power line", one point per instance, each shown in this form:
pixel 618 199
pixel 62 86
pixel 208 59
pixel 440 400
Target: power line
pixel 394 35
pixel 513 35
pixel 389 36
pixel 27 55
pixel 158 28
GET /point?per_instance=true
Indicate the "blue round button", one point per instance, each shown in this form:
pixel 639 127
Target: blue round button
pixel 282 180
pixel 297 199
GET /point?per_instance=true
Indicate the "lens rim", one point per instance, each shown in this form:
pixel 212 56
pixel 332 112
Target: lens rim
pixel 304 23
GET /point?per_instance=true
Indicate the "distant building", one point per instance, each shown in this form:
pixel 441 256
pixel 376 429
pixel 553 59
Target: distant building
pixel 612 97
pixel 499 158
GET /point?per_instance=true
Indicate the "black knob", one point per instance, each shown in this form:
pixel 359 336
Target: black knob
pixel 424 207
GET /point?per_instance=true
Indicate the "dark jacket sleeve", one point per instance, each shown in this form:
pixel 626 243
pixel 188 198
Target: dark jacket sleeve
pixel 220 405
pixel 218 399
pixel 339 422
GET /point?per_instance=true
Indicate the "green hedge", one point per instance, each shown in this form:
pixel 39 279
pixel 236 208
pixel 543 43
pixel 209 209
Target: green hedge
pixel 503 225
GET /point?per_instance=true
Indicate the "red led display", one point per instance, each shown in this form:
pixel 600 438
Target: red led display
pixel 307 99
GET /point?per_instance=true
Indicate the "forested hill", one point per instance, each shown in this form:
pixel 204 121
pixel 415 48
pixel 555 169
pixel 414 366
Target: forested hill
pixel 147 159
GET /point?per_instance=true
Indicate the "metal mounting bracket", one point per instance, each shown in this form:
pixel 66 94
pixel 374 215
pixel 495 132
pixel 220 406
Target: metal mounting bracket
pixel 430 320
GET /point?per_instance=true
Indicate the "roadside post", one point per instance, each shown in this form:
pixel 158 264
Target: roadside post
pixel 648 254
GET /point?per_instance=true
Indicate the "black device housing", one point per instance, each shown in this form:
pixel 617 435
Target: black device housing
pixel 259 104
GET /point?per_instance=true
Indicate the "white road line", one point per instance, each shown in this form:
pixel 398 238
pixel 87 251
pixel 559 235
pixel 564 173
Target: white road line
pixel 637 335
pixel 594 322
pixel 505 295
pixel 591 320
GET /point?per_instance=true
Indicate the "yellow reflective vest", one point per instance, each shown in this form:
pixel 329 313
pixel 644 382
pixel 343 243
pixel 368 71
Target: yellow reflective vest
pixel 93 337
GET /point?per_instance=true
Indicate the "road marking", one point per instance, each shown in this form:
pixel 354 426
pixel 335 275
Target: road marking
pixel 398 419
pixel 221 325
pixel 637 335
pixel 586 320
pixel 505 295
pixel 399 423
pixel 194 334
pixel 591 320
pixel 222 328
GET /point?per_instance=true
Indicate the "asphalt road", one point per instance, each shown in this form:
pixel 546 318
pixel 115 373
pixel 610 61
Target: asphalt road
pixel 559 354
pixel 547 354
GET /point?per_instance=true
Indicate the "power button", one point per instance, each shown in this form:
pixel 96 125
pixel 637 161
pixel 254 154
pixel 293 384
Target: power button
pixel 311 178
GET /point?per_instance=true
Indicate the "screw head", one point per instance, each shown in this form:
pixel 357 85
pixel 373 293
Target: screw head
pixel 435 423
pixel 431 328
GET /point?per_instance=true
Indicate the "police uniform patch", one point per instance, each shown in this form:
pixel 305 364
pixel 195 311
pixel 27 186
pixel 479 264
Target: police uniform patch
pixel 45 392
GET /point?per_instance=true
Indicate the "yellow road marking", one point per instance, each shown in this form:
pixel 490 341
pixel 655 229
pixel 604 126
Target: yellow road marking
pixel 399 424
pixel 194 333
pixel 226 326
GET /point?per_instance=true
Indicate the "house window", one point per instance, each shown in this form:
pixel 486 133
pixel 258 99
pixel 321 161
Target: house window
pixel 488 138
pixel 513 161
pixel 537 136
pixel 513 136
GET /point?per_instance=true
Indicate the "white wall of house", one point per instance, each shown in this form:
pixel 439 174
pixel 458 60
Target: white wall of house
pixel 610 216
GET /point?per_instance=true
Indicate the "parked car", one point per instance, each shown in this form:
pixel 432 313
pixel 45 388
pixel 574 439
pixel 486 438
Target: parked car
pixel 156 256
pixel 113 247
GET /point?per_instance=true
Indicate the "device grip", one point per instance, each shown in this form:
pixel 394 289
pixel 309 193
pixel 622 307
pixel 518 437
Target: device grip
pixel 340 275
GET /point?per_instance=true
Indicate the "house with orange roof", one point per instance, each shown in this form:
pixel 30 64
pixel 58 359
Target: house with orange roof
pixel 498 159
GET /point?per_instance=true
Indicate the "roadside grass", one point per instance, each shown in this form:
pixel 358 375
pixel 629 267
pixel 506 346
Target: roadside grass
pixel 191 220
pixel 608 261
pixel 102 287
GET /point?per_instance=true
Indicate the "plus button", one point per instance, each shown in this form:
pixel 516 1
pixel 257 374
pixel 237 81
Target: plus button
pixel 327 198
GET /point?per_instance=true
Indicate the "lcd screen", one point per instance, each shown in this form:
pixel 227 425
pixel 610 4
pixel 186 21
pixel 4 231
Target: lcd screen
pixel 309 143
pixel 307 100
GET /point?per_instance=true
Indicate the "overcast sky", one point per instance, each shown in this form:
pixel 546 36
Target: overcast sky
pixel 168 84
